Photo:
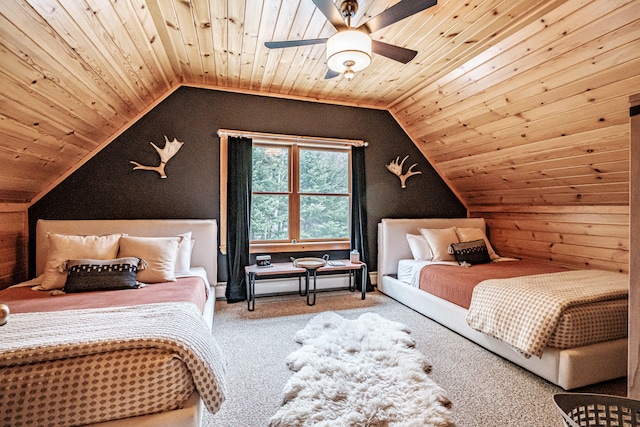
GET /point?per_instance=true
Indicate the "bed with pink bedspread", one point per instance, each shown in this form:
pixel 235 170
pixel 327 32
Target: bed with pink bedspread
pixel 142 355
pixel 580 316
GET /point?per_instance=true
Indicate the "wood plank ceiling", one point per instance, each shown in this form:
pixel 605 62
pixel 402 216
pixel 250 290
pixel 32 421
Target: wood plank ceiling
pixel 513 101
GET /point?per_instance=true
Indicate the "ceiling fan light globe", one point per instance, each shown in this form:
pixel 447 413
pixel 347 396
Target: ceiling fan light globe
pixel 346 46
pixel 349 74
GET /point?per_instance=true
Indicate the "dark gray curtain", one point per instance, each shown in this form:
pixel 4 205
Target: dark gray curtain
pixel 359 238
pixel 238 214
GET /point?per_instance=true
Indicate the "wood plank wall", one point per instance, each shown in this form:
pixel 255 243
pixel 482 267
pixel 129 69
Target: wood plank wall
pixel 577 236
pixel 13 244
pixel 633 377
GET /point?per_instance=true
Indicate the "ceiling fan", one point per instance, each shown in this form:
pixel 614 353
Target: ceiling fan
pixel 349 50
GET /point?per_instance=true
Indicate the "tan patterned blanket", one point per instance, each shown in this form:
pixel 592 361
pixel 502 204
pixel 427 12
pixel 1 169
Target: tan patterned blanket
pixel 174 327
pixel 524 311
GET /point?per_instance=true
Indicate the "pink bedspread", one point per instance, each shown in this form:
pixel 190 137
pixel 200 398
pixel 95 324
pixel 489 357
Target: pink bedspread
pixel 455 283
pixel 188 289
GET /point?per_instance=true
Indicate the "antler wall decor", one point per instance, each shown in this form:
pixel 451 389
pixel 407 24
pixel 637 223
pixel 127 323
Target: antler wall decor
pixel 170 149
pixel 396 169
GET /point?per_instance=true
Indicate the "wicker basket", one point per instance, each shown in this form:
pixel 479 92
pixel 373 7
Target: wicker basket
pixel 586 410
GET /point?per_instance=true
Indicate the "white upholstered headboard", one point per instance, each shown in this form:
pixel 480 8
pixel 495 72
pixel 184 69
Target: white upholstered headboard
pixel 203 231
pixel 392 240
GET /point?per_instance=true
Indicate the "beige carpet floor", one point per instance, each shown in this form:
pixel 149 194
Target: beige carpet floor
pixel 485 389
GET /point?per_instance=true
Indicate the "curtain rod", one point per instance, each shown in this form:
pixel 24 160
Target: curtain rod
pixel 294 138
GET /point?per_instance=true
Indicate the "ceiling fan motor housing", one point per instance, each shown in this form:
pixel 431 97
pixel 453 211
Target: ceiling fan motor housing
pixel 348 9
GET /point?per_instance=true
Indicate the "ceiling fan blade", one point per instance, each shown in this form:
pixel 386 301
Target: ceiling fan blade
pixel 394 52
pixel 294 43
pixel 397 12
pixel 331 74
pixel 329 9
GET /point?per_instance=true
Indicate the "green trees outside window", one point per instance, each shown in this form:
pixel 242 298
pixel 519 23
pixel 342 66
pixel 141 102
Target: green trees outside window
pixel 300 193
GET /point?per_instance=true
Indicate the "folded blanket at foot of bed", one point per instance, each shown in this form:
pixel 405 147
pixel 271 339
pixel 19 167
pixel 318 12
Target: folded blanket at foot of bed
pixel 524 311
pixel 135 337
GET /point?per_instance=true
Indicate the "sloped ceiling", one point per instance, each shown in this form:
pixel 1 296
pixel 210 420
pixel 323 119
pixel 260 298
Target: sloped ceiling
pixel 513 102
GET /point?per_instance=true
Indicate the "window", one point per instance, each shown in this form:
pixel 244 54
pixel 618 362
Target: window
pixel 301 193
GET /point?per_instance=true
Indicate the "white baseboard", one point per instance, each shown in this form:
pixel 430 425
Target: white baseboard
pixel 290 285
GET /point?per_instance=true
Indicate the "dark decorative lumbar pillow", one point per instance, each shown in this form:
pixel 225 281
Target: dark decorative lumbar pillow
pixel 101 275
pixel 474 252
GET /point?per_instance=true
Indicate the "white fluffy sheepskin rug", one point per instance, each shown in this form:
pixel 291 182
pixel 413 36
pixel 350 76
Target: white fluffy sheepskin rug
pixel 362 372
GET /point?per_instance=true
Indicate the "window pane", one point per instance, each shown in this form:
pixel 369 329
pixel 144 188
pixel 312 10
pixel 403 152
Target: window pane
pixel 269 217
pixel 324 171
pixel 324 217
pixel 270 169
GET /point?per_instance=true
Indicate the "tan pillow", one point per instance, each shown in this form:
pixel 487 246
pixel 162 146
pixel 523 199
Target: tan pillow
pixel 159 254
pixel 63 247
pixel 471 234
pixel 439 240
pixel 183 260
pixel 419 247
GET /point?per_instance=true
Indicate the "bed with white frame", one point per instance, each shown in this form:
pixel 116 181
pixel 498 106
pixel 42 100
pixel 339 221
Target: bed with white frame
pixel 203 258
pixel 568 368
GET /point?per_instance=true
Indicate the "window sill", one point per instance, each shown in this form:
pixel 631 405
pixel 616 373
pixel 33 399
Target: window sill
pixel 299 247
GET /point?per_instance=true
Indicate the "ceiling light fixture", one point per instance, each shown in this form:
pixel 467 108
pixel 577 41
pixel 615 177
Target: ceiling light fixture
pixel 349 73
pixel 350 51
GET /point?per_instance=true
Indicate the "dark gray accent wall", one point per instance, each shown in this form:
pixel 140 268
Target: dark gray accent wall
pixel 107 187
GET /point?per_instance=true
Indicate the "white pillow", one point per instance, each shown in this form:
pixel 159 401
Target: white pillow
pixel 183 260
pixel 63 247
pixel 439 240
pixel 419 247
pixel 159 254
pixel 471 234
